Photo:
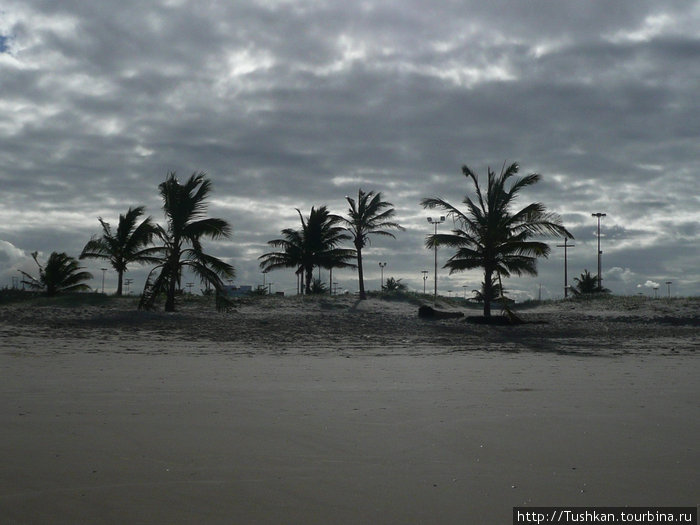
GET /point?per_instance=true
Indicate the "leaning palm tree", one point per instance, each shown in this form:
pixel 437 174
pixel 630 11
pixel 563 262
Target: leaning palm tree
pixel 489 235
pixel 185 206
pixel 369 215
pixel 316 244
pixel 125 246
pixel 61 274
pixel 587 284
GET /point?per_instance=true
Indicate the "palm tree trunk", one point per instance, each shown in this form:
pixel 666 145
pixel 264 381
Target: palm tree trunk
pixel 360 273
pixel 120 278
pixel 170 299
pixel 488 285
pixel 172 284
pixel 309 278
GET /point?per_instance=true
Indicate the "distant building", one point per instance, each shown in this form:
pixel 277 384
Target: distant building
pixel 237 291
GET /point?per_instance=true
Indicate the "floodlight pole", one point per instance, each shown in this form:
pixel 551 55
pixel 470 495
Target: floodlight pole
pixel 382 265
pixel 599 215
pixel 103 279
pixel 668 286
pixel 435 222
pixel 566 275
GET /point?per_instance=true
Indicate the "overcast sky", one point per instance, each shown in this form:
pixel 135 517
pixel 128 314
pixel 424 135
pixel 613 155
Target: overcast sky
pixel 291 104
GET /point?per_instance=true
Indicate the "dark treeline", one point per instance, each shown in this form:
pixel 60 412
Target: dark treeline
pixel 487 234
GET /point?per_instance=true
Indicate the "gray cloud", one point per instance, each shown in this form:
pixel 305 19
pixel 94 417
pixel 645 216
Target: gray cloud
pixel 297 104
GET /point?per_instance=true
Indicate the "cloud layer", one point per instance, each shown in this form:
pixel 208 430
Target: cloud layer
pixel 294 104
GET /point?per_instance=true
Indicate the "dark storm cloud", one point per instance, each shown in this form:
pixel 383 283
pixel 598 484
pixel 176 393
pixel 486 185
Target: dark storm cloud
pixel 290 105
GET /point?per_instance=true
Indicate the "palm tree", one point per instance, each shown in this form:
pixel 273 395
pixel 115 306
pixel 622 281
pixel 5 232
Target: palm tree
pixel 394 285
pixel 61 274
pixel 314 245
pixel 488 235
pixel 185 207
pixel 369 215
pixel 127 245
pixel 587 284
pixel 291 253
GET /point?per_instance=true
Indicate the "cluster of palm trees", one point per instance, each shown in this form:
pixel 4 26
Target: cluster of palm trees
pixel 170 248
pixel 317 243
pixel 487 234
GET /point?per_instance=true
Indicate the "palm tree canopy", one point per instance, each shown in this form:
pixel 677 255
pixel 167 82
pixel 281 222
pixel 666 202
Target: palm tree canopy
pixel 587 284
pixel 61 274
pixel 315 244
pixel 489 234
pixel 127 244
pixel 185 206
pixel 369 215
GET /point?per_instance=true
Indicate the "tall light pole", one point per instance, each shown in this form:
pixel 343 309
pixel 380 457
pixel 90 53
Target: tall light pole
pixel 668 286
pixel 425 278
pixel 566 276
pixel 435 222
pixel 599 215
pixel 103 279
pixel 382 265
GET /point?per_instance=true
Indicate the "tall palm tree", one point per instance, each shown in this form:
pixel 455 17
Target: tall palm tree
pixel 369 215
pixel 185 206
pixel 61 274
pixel 489 235
pixel 316 244
pixel 587 284
pixel 126 245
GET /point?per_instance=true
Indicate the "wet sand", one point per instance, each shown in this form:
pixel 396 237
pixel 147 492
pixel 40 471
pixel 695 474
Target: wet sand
pixel 104 424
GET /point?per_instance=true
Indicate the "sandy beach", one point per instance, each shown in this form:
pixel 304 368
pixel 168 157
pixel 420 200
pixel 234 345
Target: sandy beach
pixel 330 410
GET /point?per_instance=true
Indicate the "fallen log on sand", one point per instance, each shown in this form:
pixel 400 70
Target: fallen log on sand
pixel 428 312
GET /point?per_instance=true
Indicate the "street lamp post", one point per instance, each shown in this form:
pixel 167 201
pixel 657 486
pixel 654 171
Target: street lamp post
pixel 566 276
pixel 425 278
pixel 599 215
pixel 435 222
pixel 382 265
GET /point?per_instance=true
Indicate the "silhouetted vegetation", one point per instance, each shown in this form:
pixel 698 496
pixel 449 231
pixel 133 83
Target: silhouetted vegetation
pixel 489 235
pixel 394 285
pixel 60 275
pixel 185 206
pixel 316 244
pixel 587 284
pixel 367 216
pixel 125 246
